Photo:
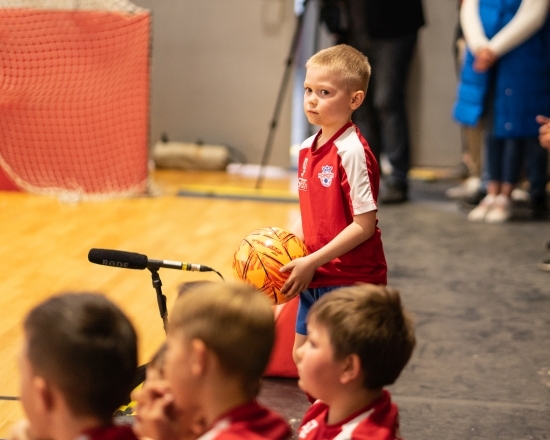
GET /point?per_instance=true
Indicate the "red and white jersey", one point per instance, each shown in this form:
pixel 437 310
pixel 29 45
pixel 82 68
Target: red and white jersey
pixel 377 421
pixel 336 181
pixel 249 421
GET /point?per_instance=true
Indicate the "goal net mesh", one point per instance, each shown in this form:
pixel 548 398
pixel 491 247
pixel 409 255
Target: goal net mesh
pixel 74 96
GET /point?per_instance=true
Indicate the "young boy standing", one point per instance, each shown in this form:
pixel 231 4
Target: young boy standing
pixel 77 366
pixel 359 340
pixel 338 186
pixel 219 342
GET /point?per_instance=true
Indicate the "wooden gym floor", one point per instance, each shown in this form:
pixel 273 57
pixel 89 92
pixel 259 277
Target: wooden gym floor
pixel 45 244
pixel 481 368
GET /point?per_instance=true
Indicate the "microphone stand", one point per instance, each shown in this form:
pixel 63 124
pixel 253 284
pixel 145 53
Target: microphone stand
pixel 161 299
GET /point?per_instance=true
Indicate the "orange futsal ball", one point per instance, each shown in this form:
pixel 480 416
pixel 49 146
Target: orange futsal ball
pixel 261 254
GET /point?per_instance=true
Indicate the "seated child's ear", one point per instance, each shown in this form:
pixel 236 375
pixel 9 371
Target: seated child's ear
pixel 44 393
pixel 351 369
pixel 200 358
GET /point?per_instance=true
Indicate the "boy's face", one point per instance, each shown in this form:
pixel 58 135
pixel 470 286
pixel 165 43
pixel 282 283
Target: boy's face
pixel 319 372
pixel 327 102
pixel 31 396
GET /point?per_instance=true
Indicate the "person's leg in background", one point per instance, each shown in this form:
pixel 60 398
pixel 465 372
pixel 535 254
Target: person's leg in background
pixel 390 61
pixel 536 163
pixel 383 118
pixel 512 159
pixel 494 152
pixel 472 189
pixel 357 36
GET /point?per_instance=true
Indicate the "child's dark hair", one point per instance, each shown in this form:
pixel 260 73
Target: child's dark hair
pixel 84 344
pixel 368 320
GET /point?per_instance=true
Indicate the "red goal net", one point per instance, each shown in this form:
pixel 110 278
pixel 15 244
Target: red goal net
pixel 74 97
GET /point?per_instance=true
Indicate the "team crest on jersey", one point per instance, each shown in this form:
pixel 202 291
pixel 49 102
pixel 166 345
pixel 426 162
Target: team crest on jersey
pixel 326 176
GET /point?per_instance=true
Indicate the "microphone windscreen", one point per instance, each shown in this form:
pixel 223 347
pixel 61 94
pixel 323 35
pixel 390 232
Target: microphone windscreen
pixel 126 260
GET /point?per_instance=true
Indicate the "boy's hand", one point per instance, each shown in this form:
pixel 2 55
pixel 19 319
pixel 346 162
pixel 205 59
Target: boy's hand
pixel 302 271
pixel 155 413
pixel 544 131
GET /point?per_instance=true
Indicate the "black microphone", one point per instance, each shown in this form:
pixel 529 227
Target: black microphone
pixel 132 260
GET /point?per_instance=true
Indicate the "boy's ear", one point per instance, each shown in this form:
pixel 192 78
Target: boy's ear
pixel 199 357
pixel 351 369
pixel 357 99
pixel 44 394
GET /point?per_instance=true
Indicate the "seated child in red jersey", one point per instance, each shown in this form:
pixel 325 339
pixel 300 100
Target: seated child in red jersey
pixel 77 366
pixel 219 340
pixel 337 185
pixel 359 340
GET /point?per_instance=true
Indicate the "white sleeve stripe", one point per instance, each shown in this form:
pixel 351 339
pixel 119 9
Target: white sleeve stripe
pixel 367 207
pixel 352 155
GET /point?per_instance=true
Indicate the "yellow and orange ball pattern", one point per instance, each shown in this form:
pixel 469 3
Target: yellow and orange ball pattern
pixel 261 254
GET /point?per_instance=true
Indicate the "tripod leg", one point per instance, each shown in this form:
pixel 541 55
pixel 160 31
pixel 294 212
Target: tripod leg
pixel 281 95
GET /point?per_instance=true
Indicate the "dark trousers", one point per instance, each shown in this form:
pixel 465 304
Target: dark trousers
pixel 382 118
pixel 505 158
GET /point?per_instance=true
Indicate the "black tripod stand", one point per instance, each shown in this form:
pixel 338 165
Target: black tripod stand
pixel 281 95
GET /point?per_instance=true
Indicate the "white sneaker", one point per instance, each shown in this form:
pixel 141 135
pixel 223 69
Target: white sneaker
pixel 466 189
pixel 500 211
pixel 480 211
pixel 520 195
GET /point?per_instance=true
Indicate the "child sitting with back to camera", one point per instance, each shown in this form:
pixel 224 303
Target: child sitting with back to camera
pixel 359 340
pixel 219 341
pixel 77 366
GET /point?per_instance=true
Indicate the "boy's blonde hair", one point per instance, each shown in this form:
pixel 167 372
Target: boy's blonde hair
pixel 369 321
pixel 346 62
pixel 235 321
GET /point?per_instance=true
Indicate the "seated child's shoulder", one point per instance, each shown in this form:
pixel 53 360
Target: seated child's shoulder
pixel 251 421
pixel 114 432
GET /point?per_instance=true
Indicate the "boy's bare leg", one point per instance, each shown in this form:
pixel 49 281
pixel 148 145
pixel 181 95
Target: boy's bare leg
pixel 299 340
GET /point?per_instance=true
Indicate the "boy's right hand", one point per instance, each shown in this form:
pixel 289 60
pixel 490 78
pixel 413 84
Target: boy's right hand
pixel 155 413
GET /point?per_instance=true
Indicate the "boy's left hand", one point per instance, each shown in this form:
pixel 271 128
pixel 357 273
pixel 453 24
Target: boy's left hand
pixel 302 271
